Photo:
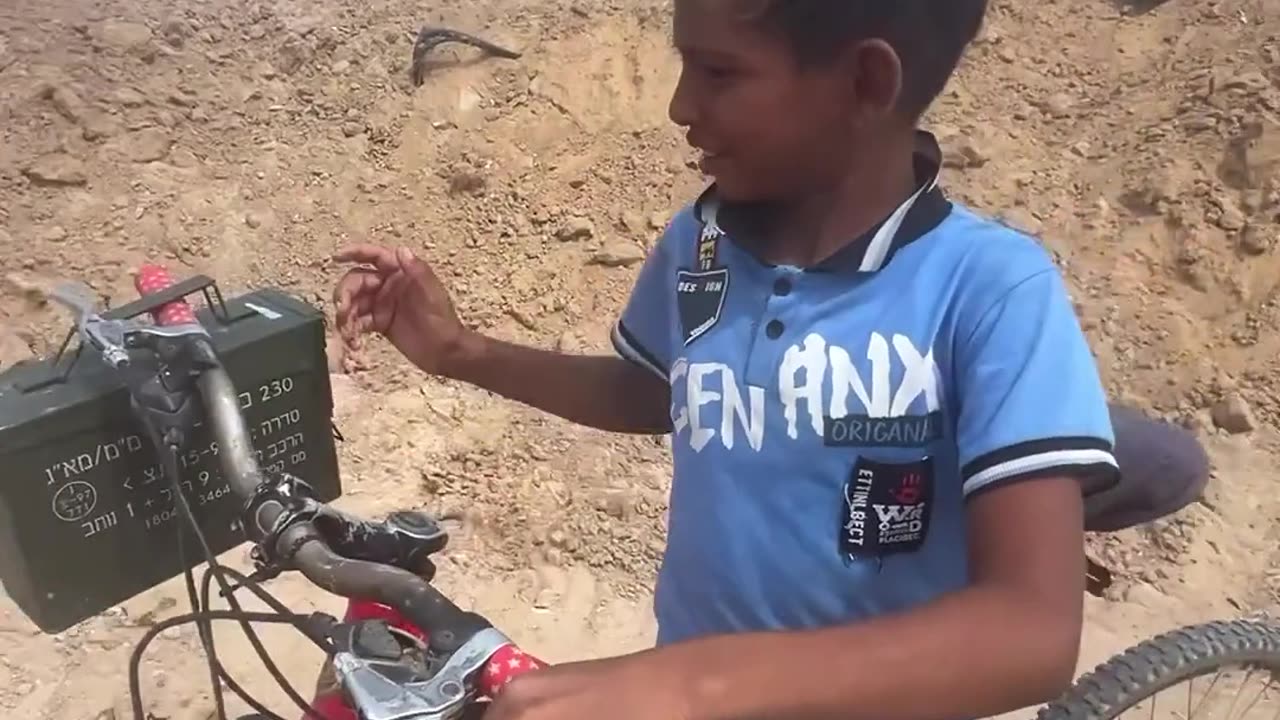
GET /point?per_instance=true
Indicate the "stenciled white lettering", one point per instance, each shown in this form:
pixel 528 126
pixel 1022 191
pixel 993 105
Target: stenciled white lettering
pixel 734 410
pixel 855 495
pixel 812 361
pixel 824 378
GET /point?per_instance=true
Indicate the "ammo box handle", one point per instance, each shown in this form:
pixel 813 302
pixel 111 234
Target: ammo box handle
pixel 154 301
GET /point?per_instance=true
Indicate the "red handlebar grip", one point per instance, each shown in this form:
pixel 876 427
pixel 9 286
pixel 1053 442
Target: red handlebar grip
pixel 509 663
pixel 154 278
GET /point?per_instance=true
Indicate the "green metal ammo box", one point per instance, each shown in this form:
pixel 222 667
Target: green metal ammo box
pixel 87 518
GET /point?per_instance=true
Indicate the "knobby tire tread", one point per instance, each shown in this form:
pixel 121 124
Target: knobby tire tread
pixel 1145 669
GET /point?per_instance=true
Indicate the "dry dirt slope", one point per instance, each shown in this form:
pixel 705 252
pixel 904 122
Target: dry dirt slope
pixel 248 140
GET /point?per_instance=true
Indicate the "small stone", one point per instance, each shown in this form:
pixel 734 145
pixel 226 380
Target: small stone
pixel 1144 594
pixel 96 125
pixel 146 145
pixel 339 67
pixel 33 289
pixel 576 228
pixel 1257 240
pixel 468 99
pixel 183 158
pixel 963 153
pixel 252 221
pixel 13 349
pixel 1252 81
pixel 65 101
pixel 201 710
pixel 128 97
pixel 1021 219
pixel 632 222
pixel 1234 415
pixel 55 234
pixel 546 599
pixel 618 253
pixel 524 317
pixel 1232 217
pixel 122 35
pixel 617 505
pixel 352 129
pixel 1199 421
pixel 1058 105
pixel 658 220
pixel 291 56
pixel 175 32
pixel 181 100
pixel 57 169
pixel 569 343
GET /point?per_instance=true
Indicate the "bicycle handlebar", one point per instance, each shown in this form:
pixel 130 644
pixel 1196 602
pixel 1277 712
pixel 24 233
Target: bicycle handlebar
pixel 293 531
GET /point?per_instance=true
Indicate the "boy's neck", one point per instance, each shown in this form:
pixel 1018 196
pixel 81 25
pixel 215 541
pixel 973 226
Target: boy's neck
pixel 805 230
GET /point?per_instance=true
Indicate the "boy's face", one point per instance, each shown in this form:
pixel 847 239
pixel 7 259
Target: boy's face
pixel 768 128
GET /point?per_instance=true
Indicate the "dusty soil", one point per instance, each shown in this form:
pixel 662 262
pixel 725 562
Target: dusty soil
pixel 249 140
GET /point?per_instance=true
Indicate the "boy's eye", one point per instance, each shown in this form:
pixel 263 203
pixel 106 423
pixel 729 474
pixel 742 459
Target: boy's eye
pixel 716 72
pixel 712 69
pixel 721 72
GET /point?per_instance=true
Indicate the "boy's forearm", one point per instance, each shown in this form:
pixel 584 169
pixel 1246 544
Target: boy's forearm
pixel 603 392
pixel 975 653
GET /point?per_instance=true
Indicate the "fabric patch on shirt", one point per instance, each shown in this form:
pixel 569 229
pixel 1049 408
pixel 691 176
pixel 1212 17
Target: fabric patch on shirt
pixel 699 300
pixel 886 508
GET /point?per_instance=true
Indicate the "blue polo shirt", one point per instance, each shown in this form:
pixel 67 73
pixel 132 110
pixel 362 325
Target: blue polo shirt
pixel 830 422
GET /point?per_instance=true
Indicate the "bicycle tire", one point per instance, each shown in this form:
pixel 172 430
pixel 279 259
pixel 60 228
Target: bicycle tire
pixel 1131 676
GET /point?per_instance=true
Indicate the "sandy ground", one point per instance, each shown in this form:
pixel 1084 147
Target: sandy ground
pixel 249 140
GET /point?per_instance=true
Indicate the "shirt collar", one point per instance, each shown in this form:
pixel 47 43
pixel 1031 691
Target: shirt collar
pixel 924 210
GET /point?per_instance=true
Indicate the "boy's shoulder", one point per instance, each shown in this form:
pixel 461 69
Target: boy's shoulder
pixel 985 253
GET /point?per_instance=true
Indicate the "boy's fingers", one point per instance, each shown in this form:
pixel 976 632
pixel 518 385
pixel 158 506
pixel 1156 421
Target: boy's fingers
pixel 356 282
pixel 357 319
pixel 381 258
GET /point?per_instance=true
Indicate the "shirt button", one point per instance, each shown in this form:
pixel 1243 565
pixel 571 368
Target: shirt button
pixel 774 329
pixel 782 286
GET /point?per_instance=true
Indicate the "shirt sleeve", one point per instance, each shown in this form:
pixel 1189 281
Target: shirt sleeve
pixel 642 334
pixel 1031 401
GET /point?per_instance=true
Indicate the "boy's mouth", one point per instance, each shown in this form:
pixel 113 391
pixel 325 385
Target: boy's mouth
pixel 708 162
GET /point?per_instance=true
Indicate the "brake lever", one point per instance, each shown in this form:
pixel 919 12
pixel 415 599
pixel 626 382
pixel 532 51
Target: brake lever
pixel 375 677
pixel 106 336
pixel 161 386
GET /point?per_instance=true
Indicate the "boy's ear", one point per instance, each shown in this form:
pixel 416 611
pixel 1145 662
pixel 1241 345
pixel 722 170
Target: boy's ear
pixel 874 72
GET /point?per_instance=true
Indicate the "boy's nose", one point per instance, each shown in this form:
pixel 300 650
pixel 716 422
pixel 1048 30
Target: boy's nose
pixel 682 109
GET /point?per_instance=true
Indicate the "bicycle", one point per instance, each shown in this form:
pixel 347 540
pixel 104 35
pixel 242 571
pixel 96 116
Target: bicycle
pixel 404 651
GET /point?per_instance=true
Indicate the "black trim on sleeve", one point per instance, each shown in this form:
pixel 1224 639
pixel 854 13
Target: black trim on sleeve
pixel 1094 478
pixel 1032 447
pixel 626 343
pixel 1089 458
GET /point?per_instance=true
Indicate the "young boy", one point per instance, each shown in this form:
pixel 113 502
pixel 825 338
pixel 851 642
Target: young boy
pixel 883 409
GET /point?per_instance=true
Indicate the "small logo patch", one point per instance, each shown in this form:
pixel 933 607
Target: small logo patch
pixel 699 300
pixel 866 431
pixel 886 508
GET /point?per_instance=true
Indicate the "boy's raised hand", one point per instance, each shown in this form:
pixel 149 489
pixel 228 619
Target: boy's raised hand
pixel 395 294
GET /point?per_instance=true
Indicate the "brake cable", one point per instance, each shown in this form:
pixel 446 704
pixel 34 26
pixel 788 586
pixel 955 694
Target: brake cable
pixel 168 440
pixel 216 571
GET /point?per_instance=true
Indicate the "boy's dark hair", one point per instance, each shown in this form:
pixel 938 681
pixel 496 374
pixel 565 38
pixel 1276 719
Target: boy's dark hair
pixel 928 35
